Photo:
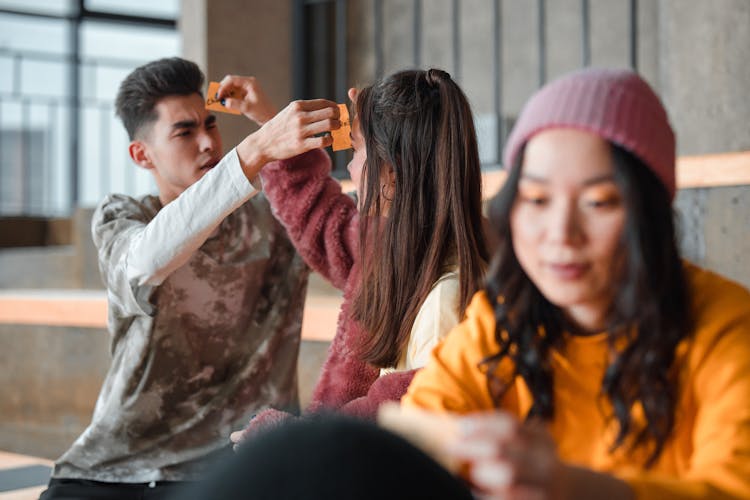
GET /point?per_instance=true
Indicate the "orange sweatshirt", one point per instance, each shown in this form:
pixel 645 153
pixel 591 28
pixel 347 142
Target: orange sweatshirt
pixel 708 455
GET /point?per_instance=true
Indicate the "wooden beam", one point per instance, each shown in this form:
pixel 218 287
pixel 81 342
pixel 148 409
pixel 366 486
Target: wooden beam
pixel 725 169
pixel 714 170
pixel 88 309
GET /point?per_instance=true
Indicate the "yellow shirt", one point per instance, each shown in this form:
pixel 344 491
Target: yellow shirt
pixel 437 316
pixel 708 455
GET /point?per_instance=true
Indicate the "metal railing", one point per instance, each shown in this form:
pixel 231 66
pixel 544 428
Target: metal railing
pixel 42 140
pixel 51 187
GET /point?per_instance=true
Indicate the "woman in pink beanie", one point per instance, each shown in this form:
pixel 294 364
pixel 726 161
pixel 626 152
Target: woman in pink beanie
pixel 596 363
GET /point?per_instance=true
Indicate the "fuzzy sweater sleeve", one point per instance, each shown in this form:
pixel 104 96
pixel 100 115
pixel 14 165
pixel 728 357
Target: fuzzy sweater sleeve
pixel 321 220
pixel 386 388
pixel 349 384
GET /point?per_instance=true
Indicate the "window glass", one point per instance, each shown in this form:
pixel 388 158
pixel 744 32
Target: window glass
pixel 34 34
pixel 108 53
pixel 55 7
pixel 127 42
pixel 37 131
pixel 34 112
pixel 167 9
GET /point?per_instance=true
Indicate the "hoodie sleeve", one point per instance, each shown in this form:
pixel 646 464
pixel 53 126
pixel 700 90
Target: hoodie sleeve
pixel 137 254
pixel 321 220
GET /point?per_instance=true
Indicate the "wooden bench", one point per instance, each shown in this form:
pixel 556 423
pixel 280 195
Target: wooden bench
pixel 88 309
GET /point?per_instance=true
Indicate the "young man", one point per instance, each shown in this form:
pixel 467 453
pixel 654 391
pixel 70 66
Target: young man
pixel 205 290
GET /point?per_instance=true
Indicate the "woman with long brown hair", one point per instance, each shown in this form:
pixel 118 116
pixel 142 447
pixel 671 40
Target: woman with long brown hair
pixel 410 256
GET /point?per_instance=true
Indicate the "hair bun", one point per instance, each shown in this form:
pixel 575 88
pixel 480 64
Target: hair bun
pixel 435 76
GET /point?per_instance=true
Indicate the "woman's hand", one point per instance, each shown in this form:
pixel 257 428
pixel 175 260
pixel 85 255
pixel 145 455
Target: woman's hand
pixel 237 437
pixel 511 460
pixel 507 459
pixel 245 94
pixel 264 420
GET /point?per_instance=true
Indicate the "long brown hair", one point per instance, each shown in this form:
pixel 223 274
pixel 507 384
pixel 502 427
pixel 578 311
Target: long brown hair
pixel 420 124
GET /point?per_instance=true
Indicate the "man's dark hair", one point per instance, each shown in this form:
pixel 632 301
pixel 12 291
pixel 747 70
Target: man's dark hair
pixel 147 84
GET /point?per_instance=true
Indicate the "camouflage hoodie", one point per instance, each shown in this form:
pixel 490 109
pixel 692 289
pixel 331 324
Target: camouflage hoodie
pixel 205 305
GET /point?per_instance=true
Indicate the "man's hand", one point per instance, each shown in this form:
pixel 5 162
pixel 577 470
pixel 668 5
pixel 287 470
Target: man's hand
pixel 291 132
pixel 245 94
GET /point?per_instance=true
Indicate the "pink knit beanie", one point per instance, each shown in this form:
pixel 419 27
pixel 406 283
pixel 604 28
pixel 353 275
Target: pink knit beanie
pixel 618 105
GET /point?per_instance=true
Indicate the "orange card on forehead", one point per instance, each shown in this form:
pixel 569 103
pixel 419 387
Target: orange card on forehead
pixel 341 137
pixel 214 104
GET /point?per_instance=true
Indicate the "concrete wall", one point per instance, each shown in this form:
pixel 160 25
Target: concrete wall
pixel 704 80
pixel 241 38
pixel 50 379
pixel 72 265
pixel 693 52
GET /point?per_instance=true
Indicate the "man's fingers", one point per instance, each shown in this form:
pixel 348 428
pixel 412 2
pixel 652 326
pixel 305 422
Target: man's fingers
pixel 232 103
pixel 228 78
pixel 227 89
pixel 234 84
pixel 320 114
pixel 321 126
pixel 225 86
pixel 313 105
pixel 318 142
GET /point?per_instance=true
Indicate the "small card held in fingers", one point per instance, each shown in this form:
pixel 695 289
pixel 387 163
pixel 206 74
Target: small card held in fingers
pixel 215 104
pixel 341 137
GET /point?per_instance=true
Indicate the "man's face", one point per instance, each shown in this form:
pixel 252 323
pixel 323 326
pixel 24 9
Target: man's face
pixel 181 145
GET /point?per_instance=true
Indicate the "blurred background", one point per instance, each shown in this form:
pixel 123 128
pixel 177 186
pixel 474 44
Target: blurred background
pixel 62 149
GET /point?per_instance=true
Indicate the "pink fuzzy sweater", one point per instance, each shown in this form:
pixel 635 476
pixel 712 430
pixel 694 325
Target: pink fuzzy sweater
pixel 323 224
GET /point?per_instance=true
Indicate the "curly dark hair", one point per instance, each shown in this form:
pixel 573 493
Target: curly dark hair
pixel 647 316
pixel 146 85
